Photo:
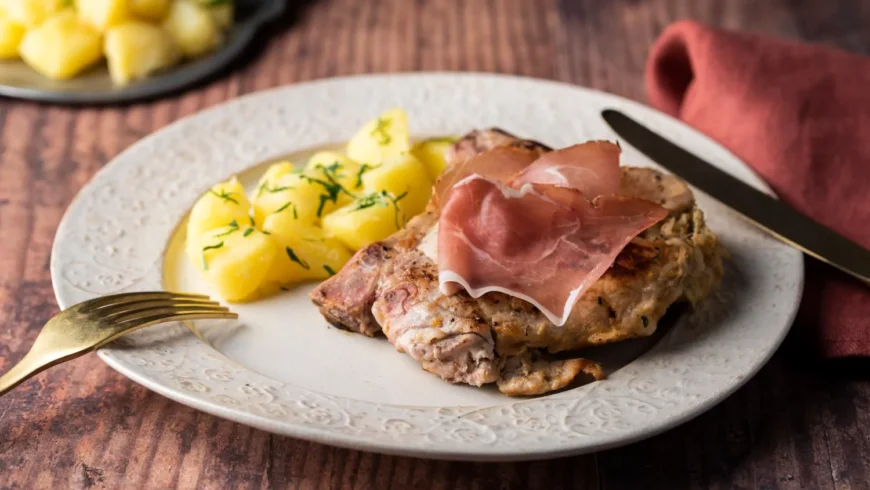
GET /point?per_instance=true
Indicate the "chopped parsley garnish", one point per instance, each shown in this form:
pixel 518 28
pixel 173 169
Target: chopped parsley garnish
pixel 234 227
pixel 247 232
pixel 380 132
pixel 382 199
pixel 645 321
pixel 295 258
pixel 226 196
pixel 332 187
pixel 373 199
pixel 329 270
pixel 206 249
pixel 365 168
pixel 285 206
pixel 264 187
pixel 332 168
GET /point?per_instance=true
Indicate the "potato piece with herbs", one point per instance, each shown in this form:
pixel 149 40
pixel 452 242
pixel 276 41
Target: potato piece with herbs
pixel 330 165
pixel 102 14
pixel 136 49
pixel 383 138
pixel 192 27
pixel 431 152
pixel 61 47
pixel 235 260
pixel 406 179
pixel 223 204
pixel 366 220
pixel 304 251
pixel 30 13
pixel 11 34
pixel 152 10
pixel 308 197
pixel 273 190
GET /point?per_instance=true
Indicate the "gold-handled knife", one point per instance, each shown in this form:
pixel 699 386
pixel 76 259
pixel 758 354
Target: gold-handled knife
pixel 776 217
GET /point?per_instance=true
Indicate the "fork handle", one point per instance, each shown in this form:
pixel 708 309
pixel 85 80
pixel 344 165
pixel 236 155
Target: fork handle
pixel 32 364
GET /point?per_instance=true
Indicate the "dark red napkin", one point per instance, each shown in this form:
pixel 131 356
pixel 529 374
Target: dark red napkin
pixel 799 114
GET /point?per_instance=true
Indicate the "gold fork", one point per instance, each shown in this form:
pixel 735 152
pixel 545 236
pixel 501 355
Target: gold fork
pixel 89 325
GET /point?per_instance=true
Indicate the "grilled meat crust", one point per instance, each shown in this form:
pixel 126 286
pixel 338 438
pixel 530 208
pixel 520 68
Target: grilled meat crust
pixel 392 286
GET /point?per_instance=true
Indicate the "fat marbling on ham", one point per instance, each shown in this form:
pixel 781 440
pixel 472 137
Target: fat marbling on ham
pixel 546 235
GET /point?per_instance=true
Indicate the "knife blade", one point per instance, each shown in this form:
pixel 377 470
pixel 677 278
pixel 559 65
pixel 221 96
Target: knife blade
pixel 774 216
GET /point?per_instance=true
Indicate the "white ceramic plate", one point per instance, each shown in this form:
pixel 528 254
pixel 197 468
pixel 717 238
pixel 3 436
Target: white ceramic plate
pixel 282 369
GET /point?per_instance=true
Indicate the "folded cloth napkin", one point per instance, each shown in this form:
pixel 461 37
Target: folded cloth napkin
pixel 799 114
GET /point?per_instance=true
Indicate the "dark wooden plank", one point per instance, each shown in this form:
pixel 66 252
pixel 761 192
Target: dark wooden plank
pixel 81 425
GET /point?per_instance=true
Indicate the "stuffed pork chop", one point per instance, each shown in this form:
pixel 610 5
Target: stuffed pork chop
pixel 499 334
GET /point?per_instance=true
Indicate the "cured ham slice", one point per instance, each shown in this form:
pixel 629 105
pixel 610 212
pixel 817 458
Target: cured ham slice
pixel 540 228
pixel 592 168
pixel 500 163
pixel 543 243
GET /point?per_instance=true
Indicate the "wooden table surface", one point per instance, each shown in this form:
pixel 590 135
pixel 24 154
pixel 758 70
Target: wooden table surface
pixel 798 424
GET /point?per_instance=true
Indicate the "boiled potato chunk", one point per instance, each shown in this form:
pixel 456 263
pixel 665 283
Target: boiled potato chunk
pixel 431 152
pixel 11 34
pixel 61 47
pixel 223 204
pixel 30 13
pixel 153 10
pixel 344 171
pixel 235 260
pixel 304 251
pixel 366 220
pixel 405 179
pixel 383 138
pixel 306 197
pixel 136 49
pixel 103 14
pixel 222 12
pixel 192 27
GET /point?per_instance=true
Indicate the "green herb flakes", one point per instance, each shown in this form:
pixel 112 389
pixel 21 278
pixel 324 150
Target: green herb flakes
pixel 380 132
pixel 295 258
pixel 234 227
pixel 363 169
pixel 206 249
pixel 226 196
pixel 383 199
pixel 332 188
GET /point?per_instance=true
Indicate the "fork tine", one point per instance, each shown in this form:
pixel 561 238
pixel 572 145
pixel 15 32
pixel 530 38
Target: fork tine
pixel 155 317
pixel 103 301
pixel 134 316
pixel 145 320
pixel 113 311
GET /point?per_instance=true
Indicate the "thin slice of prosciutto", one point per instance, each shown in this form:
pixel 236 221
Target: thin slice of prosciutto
pixel 500 163
pixel 544 242
pixel 592 168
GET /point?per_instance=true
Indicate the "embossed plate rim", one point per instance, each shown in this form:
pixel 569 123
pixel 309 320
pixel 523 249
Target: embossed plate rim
pixel 111 240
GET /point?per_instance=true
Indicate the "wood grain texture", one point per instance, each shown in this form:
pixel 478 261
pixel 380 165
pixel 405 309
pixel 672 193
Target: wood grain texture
pixel 81 425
